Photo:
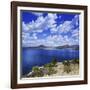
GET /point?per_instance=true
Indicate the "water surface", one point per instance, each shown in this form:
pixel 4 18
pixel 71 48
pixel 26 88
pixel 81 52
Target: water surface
pixel 38 57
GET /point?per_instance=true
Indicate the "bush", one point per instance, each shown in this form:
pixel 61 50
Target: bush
pixel 47 69
pixel 66 64
pixel 67 69
pixel 76 61
pixel 37 71
pixel 51 71
pixel 54 62
pixel 48 65
pixel 50 68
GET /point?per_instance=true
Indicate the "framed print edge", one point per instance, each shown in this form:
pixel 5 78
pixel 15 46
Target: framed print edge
pixel 13 46
pixel 14 38
pixel 86 44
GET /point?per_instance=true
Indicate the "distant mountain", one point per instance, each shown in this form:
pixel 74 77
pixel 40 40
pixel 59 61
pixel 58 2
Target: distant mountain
pixel 69 46
pixel 64 46
pixel 42 46
pixel 76 47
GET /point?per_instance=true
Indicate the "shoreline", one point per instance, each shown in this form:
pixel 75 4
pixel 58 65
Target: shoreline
pixel 60 69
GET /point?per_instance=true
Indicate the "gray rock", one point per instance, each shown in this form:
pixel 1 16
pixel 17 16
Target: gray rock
pixel 31 74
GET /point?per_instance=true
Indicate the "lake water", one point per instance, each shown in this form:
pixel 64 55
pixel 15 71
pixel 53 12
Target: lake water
pixel 38 57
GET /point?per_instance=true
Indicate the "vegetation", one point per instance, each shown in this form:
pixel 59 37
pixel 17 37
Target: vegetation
pixel 48 65
pixel 37 71
pixel 49 68
pixel 54 62
pixel 75 61
pixel 35 68
pixel 66 64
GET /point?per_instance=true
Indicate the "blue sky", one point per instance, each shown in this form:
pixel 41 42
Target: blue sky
pixel 49 29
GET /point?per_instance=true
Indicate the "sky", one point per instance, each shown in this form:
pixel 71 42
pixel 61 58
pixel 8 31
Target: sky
pixel 49 29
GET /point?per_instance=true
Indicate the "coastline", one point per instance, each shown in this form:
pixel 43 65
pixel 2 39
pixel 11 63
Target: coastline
pixel 60 69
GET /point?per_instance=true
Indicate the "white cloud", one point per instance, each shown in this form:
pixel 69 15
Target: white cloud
pixel 49 22
pixel 52 16
pixel 75 20
pixel 75 33
pixel 35 36
pixel 37 13
pixel 25 35
pixel 65 27
pixel 25 27
pixel 42 23
pixel 51 40
pixel 57 40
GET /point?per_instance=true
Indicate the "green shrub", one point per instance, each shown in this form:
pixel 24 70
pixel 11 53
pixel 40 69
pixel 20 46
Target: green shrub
pixel 76 61
pixel 54 62
pixel 50 71
pixel 66 64
pixel 37 71
pixel 67 69
pixel 48 65
pixel 35 68
pixel 50 68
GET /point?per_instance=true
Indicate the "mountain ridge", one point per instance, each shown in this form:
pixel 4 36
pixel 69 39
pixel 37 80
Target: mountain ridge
pixel 57 47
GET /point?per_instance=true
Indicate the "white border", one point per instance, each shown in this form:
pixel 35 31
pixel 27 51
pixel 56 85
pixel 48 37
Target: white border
pixel 51 79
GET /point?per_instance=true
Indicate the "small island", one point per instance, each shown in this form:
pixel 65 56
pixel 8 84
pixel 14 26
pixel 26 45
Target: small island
pixel 54 68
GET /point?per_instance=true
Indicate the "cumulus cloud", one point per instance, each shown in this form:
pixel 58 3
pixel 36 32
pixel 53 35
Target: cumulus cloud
pixel 24 27
pixel 75 33
pixel 58 33
pixel 65 27
pixel 42 23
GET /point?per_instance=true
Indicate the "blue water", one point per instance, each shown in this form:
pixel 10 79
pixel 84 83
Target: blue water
pixel 38 57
